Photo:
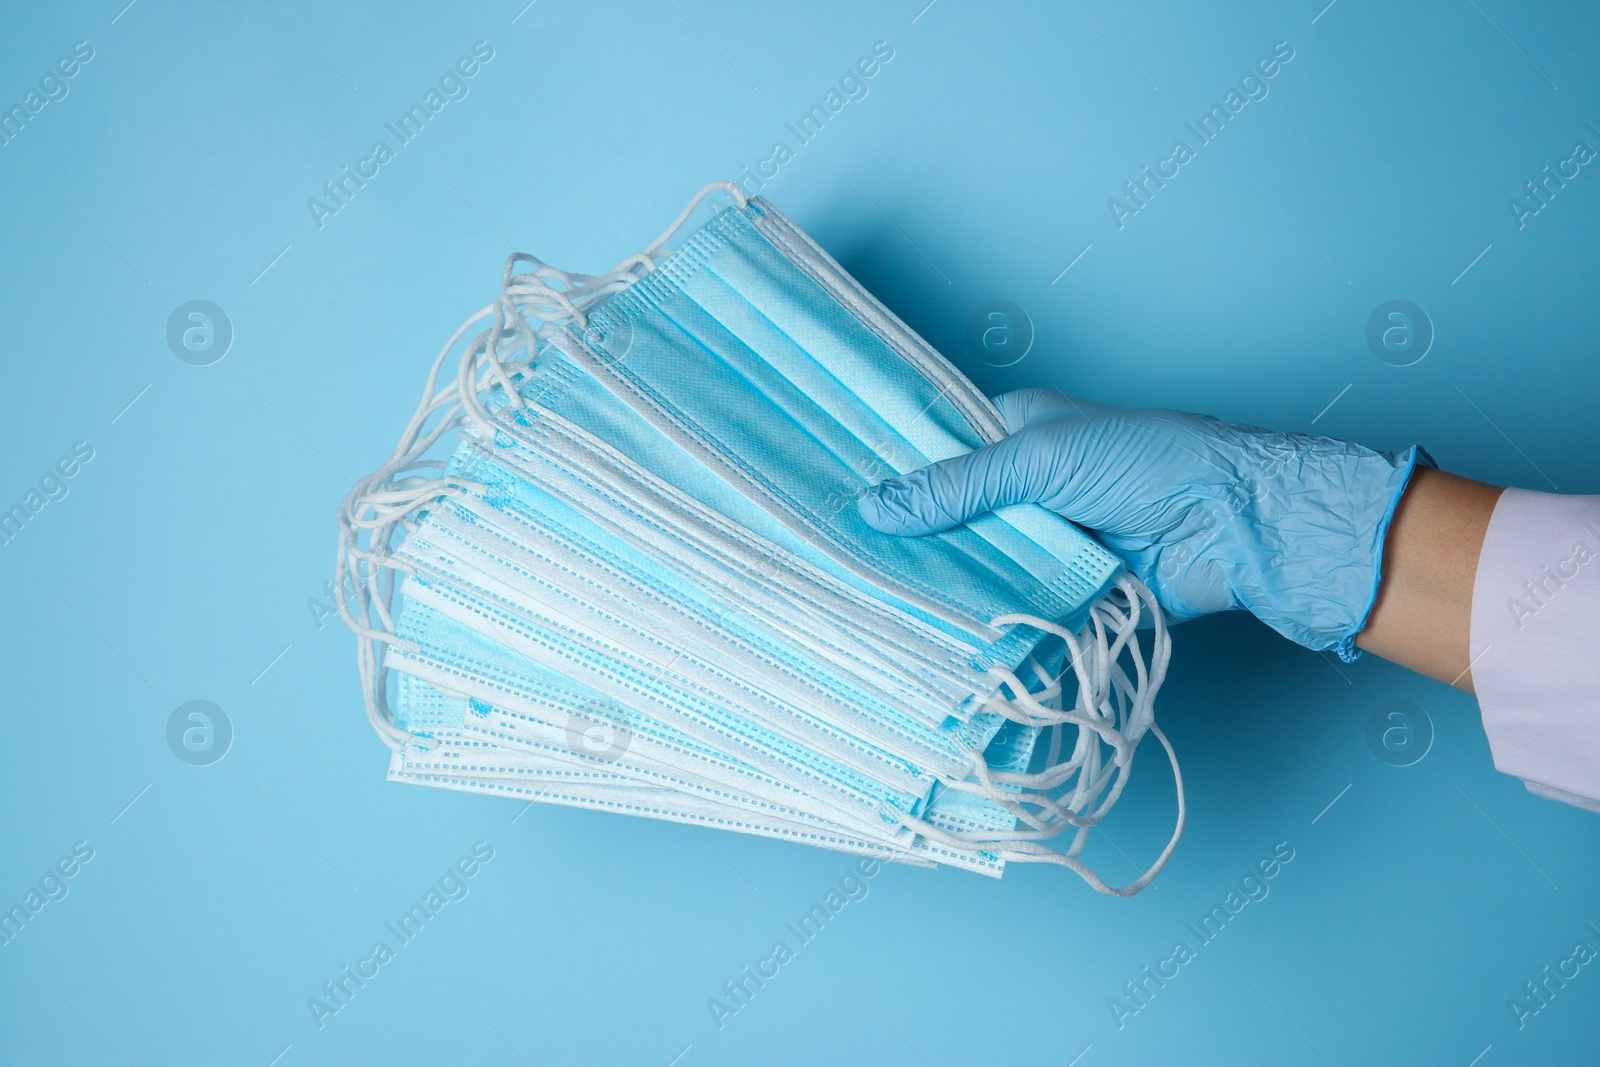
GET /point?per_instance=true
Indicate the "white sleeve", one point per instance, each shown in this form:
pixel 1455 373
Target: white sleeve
pixel 1536 642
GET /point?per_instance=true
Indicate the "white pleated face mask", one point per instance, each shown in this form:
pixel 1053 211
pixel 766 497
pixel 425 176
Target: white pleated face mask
pixel 648 532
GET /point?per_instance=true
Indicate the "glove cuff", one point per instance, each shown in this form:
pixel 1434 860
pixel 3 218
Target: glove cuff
pixel 1312 546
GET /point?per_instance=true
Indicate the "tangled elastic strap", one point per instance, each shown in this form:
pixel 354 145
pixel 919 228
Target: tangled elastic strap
pixel 1110 711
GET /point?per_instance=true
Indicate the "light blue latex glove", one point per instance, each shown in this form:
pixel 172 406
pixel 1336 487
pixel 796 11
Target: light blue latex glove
pixel 1211 516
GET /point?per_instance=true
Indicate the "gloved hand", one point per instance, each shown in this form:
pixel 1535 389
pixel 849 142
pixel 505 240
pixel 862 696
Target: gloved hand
pixel 1211 516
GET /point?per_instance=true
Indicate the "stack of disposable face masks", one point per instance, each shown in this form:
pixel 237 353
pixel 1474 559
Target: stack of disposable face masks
pixel 640 582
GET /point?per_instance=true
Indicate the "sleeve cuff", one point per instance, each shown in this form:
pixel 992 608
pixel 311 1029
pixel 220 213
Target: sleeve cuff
pixel 1535 642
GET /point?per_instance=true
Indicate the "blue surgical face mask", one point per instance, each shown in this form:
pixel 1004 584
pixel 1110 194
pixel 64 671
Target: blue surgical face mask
pixel 653 508
pixel 758 369
pixel 475 563
pixel 919 668
pixel 520 526
pixel 469 545
pixel 470 741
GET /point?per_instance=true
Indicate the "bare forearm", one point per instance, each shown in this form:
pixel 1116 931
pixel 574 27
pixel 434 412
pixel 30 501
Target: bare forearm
pixel 1423 614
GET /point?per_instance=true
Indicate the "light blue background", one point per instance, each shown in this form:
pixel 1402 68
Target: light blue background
pixel 183 560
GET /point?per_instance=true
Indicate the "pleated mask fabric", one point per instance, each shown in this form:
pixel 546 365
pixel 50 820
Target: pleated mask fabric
pixel 638 581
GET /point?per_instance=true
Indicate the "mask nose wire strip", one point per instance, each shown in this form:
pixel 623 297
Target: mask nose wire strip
pixel 381 508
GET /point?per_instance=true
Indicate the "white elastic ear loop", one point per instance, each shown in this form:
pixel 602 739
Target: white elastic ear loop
pixel 1130 725
pixel 1038 854
pixel 666 235
pixel 1109 705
